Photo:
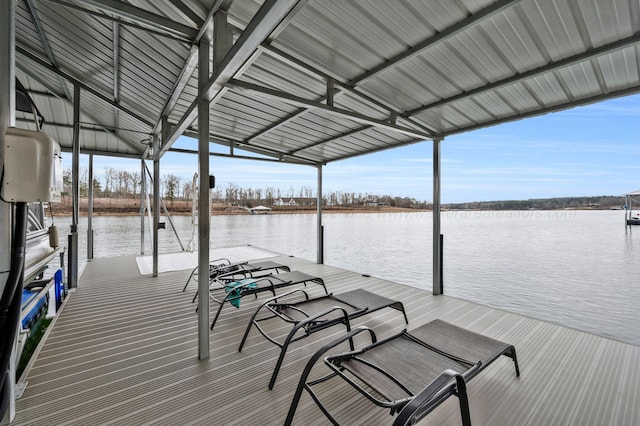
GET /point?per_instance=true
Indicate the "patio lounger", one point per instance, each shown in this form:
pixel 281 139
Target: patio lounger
pixel 220 267
pixel 310 315
pixel 410 373
pixel 233 291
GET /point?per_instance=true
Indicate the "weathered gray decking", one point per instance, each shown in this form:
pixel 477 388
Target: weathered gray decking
pixel 124 351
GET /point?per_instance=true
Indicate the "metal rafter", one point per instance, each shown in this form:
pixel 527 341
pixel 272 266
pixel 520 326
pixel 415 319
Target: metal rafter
pixel 66 77
pixel 231 142
pixel 33 11
pixel 384 148
pixel 243 157
pixel 87 125
pixel 104 15
pixel 266 20
pixel 440 37
pixel 553 66
pixel 339 112
pixel 30 4
pixel 188 12
pixel 419 48
pixel 190 64
pixel 37 78
pixel 555 108
pixel 141 16
pixel 341 90
pixel 116 71
pixel 84 86
pixel 332 138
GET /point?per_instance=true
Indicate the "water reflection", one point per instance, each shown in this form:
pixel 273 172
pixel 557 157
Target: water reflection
pixel 577 268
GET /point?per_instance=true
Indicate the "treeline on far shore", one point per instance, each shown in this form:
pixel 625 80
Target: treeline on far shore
pixel 130 205
pixel 178 193
pixel 603 202
pixel 119 191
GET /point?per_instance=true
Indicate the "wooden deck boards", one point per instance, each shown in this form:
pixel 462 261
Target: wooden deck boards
pixel 124 351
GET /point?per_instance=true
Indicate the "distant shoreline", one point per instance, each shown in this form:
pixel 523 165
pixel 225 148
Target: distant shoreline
pixel 131 207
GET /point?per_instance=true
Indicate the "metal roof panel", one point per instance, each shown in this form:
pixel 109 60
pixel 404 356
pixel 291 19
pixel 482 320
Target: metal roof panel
pixel 419 66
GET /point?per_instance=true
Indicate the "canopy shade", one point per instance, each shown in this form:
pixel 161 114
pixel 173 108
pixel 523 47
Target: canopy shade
pixel 318 81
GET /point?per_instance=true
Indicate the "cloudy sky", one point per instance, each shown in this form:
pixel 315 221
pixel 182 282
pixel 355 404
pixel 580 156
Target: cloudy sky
pixel 586 151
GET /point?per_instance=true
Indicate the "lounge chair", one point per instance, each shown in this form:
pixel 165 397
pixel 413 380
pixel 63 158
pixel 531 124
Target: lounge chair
pixel 222 291
pixel 314 314
pixel 220 267
pixel 410 373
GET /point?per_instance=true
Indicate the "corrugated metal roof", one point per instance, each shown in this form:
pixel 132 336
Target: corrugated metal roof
pixel 401 71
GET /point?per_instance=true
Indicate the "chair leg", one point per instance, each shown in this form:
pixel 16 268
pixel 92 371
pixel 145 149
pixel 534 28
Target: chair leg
pixel 188 281
pixel 283 351
pixel 512 355
pixel 213 323
pixel 464 400
pixel 246 332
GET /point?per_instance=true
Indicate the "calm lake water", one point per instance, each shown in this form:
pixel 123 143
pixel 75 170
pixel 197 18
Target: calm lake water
pixel 575 268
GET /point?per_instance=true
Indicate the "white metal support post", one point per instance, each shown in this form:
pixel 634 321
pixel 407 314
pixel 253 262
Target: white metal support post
pixel 437 247
pixel 143 194
pixel 156 200
pixel 90 211
pixel 75 191
pixel 204 221
pixel 320 249
pixel 7 119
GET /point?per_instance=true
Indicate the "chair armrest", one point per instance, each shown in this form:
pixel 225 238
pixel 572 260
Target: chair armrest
pixel 303 384
pixel 447 383
pixel 310 321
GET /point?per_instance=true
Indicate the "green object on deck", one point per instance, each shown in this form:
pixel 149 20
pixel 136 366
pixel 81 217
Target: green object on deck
pixel 235 289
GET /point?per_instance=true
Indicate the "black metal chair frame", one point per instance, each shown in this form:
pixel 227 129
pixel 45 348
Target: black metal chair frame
pixel 345 310
pixel 257 285
pixel 413 407
pixel 228 271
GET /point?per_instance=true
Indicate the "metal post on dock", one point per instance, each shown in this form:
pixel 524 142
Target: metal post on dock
pixel 75 191
pixel 204 212
pixel 7 119
pixel 320 254
pixel 90 211
pixel 437 247
pixel 156 200
pixel 143 194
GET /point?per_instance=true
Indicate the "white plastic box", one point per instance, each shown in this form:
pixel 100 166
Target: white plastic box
pixel 32 167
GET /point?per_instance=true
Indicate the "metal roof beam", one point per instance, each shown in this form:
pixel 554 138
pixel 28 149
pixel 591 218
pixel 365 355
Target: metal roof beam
pixel 440 37
pixel 90 127
pixel 116 71
pixel 104 15
pixel 555 108
pixel 82 85
pixel 141 16
pixel 332 138
pixel 238 144
pixel 103 153
pixel 188 12
pixel 382 148
pixel 31 6
pixel 342 113
pixel 34 76
pixel 245 157
pixel 413 51
pixel 190 65
pixel 341 90
pixel 268 17
pixel 562 63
